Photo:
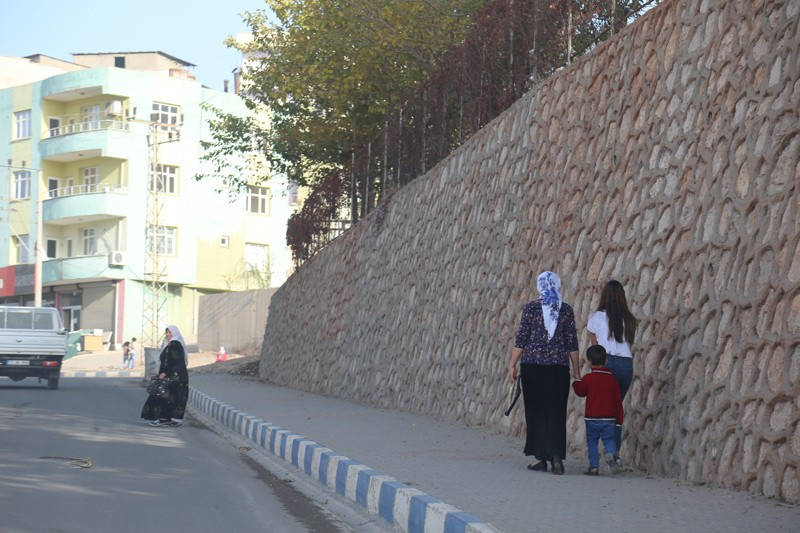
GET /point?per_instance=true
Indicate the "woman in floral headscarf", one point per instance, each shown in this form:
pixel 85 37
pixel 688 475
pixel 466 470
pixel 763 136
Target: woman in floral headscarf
pixel 169 411
pixel 547 342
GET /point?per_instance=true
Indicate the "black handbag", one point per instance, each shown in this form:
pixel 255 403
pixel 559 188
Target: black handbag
pixel 158 387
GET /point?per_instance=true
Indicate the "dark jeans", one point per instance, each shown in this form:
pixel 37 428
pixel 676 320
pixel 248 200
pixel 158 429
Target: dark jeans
pixel 622 368
pixel 596 430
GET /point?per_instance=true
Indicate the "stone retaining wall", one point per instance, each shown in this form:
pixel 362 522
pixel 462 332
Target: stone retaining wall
pixel 668 159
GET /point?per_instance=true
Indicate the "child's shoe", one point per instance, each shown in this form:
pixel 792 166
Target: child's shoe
pixel 613 466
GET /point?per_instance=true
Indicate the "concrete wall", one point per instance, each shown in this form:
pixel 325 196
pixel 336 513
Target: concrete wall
pixel 234 320
pixel 667 159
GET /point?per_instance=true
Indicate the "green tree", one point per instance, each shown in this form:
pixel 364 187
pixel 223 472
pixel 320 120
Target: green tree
pixel 327 72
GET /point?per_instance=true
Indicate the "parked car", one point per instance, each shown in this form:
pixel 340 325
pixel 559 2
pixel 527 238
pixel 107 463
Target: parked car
pixel 33 343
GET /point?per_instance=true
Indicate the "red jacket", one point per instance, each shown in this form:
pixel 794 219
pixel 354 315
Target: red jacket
pixel 603 399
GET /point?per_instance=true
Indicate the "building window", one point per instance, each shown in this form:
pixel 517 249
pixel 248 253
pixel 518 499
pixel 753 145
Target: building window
pixel 258 200
pixel 52 248
pixel 256 257
pixel 166 116
pixel 89 241
pixel 294 193
pixel 90 117
pixel 161 240
pixel 22 184
pixel 119 61
pixel 224 241
pixel 22 249
pixel 164 179
pixel 22 124
pixel 89 179
pixel 69 247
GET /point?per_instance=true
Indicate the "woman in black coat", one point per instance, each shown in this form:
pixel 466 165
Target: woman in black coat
pixel 169 411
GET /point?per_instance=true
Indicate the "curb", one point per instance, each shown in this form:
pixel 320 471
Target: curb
pixel 406 508
pixel 101 374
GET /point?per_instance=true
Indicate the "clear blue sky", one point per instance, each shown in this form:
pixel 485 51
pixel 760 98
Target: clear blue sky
pixel 191 30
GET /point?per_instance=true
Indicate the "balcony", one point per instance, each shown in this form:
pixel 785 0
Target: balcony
pixel 80 204
pixel 71 137
pixel 78 269
pixel 59 128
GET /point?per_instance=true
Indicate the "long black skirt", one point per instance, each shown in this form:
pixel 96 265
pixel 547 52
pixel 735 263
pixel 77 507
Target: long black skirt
pixel 174 406
pixel 545 390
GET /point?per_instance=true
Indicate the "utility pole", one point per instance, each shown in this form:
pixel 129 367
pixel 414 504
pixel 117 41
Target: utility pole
pixel 37 249
pixel 156 284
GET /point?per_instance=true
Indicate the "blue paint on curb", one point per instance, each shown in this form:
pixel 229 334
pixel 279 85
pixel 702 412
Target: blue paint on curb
pixel 308 459
pixel 362 485
pixel 457 522
pixel 324 460
pixel 416 515
pixel 386 499
pixel 341 475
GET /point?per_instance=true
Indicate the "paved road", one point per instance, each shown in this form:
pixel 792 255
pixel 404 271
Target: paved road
pixel 484 474
pixel 79 459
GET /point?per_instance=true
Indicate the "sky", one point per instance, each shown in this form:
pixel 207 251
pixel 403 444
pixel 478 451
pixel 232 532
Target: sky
pixel 192 30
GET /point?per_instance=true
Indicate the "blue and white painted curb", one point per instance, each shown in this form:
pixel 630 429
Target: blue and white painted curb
pixel 404 507
pixel 102 374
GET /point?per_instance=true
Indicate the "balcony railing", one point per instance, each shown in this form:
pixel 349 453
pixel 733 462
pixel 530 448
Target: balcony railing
pixel 90 125
pixel 74 190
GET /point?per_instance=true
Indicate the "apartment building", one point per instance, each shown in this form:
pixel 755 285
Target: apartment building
pixel 97 167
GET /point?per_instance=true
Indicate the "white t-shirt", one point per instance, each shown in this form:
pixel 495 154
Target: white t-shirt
pixel 598 324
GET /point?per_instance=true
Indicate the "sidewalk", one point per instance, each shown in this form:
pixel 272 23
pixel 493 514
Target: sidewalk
pixel 412 468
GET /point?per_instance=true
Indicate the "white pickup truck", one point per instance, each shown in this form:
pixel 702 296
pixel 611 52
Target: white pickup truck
pixel 32 343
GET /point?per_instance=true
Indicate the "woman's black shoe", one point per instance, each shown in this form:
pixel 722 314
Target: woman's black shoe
pixel 558 466
pixel 541 466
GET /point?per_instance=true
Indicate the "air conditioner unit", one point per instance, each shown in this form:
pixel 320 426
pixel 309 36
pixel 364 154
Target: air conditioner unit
pixel 114 108
pixel 117 258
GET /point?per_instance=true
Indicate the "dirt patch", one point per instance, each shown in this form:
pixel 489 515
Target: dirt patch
pixel 206 363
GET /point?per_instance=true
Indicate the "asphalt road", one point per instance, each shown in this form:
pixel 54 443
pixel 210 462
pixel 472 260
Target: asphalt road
pixel 80 459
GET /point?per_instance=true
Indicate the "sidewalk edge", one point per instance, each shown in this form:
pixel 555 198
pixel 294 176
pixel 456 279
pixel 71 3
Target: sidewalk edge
pixel 401 506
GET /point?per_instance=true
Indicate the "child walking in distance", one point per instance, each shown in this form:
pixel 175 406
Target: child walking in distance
pixel 603 409
pixel 126 355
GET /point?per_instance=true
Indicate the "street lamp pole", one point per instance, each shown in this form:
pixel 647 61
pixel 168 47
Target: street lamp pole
pixel 37 249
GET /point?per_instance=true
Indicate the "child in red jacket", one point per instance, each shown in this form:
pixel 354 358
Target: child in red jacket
pixel 603 409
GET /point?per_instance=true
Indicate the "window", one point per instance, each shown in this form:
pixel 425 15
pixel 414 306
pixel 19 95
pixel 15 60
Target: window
pixel 22 249
pixel 22 184
pixel 53 184
pixel 294 190
pixel 89 241
pixel 161 240
pixel 52 248
pixel 166 116
pixel 256 257
pixel 89 179
pixel 224 241
pixel 90 117
pixel 119 61
pixel 69 247
pixel 164 179
pixel 22 124
pixel 258 199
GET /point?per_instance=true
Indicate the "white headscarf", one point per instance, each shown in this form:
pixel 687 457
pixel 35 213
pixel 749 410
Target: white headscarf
pixel 176 336
pixel 549 285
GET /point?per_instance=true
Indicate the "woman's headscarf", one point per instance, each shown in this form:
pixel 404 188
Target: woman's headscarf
pixel 176 336
pixel 549 285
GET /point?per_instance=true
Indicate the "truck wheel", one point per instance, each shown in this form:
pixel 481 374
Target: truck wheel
pixel 52 383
